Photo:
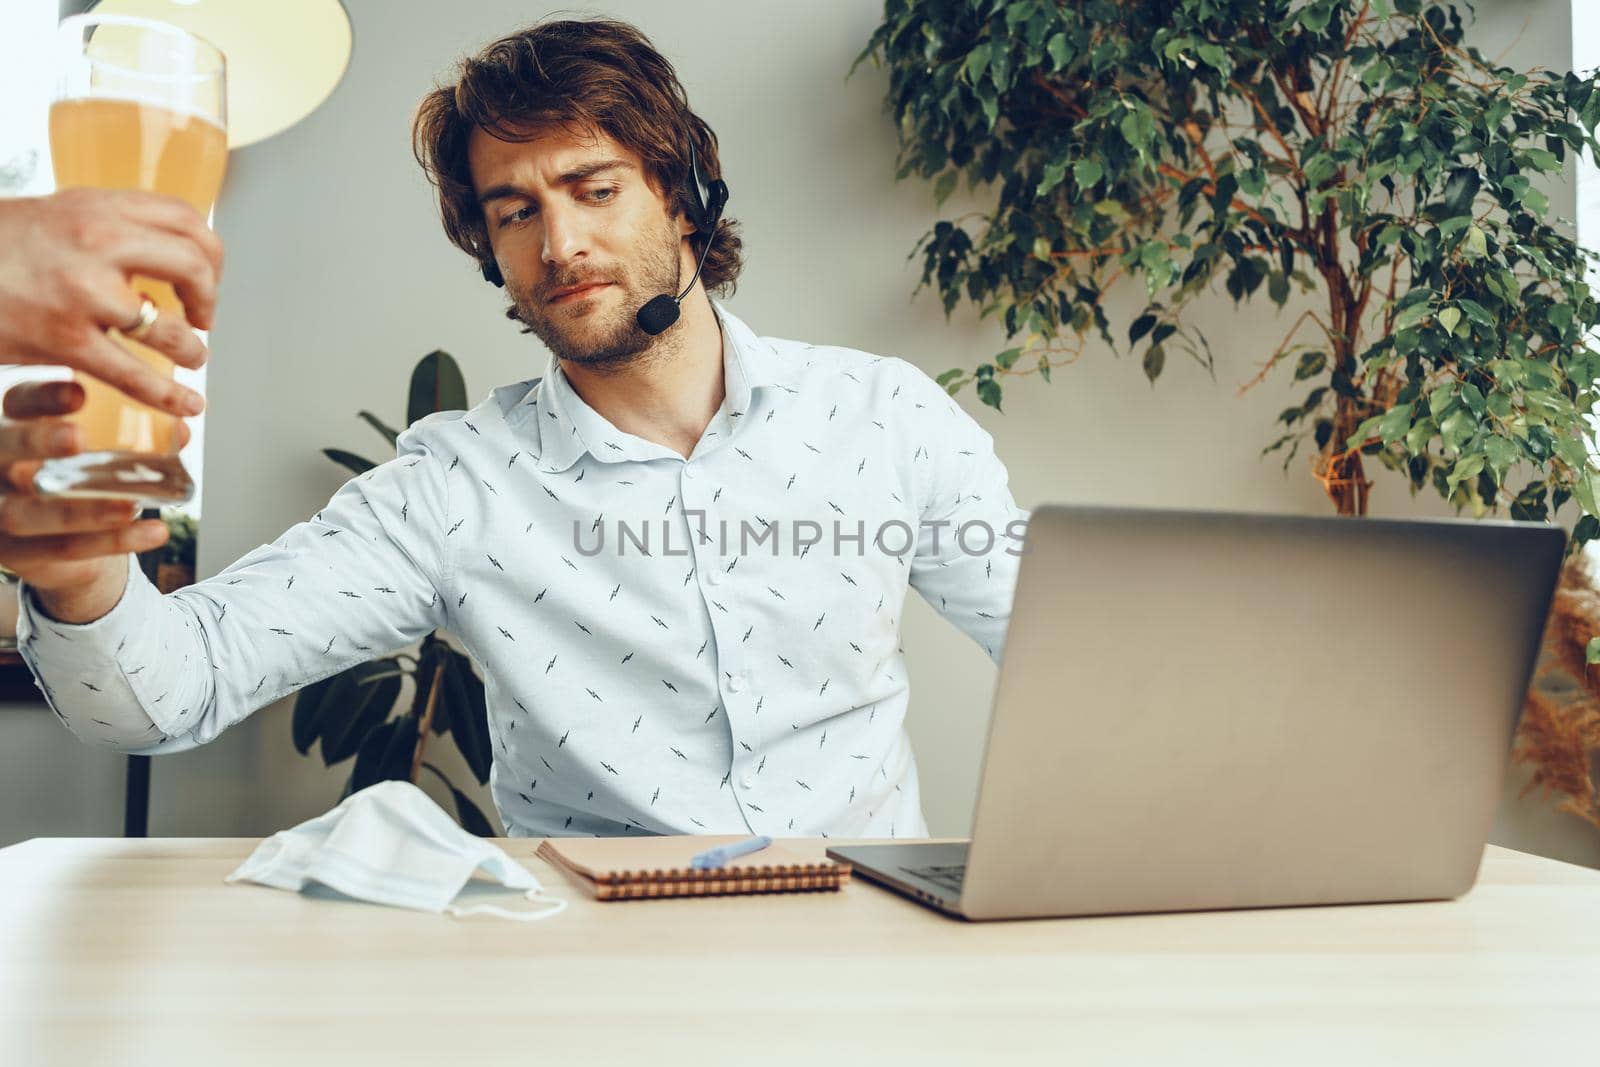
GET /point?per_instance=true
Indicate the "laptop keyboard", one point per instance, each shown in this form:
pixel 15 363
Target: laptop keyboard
pixel 949 875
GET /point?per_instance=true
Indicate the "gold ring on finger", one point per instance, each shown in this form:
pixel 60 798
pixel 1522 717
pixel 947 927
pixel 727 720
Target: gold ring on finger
pixel 147 318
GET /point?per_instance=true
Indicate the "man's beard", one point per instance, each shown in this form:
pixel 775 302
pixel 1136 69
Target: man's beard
pixel 604 337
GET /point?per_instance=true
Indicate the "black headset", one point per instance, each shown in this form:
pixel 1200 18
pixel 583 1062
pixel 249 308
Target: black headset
pixel 706 199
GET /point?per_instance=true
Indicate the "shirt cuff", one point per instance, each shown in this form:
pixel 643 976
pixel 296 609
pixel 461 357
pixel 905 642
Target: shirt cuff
pixel 35 625
pixel 68 655
pixel 65 650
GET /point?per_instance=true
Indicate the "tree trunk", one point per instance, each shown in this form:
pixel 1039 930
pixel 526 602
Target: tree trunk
pixel 1339 469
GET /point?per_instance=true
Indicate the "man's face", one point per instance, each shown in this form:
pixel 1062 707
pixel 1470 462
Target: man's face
pixel 582 239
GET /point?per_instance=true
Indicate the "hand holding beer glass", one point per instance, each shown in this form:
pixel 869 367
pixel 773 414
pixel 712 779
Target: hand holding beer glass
pixel 139 105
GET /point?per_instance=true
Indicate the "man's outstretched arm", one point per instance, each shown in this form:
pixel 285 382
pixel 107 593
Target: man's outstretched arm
pixel 155 674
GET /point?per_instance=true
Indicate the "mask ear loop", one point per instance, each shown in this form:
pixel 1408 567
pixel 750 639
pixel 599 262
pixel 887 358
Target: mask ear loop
pixel 457 911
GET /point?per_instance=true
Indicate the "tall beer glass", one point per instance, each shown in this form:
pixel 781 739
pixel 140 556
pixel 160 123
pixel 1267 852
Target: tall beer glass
pixel 138 105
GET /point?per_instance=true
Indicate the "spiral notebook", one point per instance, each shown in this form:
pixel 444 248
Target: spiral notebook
pixel 637 868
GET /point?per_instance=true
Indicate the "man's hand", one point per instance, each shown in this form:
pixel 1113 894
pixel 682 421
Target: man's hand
pixel 72 552
pixel 65 261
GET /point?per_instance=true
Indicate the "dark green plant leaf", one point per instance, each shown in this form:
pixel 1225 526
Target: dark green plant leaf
pixel 369 756
pixel 472 820
pixel 359 708
pixel 436 385
pixel 1529 506
pixel 385 753
pixel 989 392
pixel 469 714
pixel 1311 364
pixel 1459 191
pixel 1141 326
pixel 401 750
pixel 324 707
pixel 382 427
pixel 310 706
pixel 349 459
pixel 1155 358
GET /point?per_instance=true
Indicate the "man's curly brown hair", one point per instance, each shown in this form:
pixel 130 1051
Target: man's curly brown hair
pixel 585 75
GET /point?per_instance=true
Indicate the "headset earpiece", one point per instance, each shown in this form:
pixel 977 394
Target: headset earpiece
pixel 492 275
pixel 706 198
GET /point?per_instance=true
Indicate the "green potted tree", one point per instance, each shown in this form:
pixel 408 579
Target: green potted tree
pixel 1356 158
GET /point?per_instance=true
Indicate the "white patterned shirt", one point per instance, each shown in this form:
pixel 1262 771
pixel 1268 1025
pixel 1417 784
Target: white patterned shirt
pixel 646 669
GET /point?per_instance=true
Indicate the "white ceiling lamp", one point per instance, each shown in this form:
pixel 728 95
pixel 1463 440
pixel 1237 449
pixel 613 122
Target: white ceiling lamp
pixel 285 57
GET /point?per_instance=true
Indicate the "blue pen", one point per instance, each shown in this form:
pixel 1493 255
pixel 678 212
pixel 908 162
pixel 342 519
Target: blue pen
pixel 719 856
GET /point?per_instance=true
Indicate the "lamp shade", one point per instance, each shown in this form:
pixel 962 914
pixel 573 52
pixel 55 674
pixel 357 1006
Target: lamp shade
pixel 284 56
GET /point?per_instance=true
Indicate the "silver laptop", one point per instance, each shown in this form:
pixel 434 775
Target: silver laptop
pixel 1209 710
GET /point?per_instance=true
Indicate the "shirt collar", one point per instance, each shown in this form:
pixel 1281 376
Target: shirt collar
pixel 569 428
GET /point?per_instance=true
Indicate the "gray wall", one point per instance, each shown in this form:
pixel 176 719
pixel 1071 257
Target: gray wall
pixel 339 278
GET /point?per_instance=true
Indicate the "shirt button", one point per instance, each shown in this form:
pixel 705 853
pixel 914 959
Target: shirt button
pixel 688 471
pixel 714 576
pixel 746 781
pixel 736 683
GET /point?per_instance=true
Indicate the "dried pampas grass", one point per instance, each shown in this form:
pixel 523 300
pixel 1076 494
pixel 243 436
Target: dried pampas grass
pixel 1559 736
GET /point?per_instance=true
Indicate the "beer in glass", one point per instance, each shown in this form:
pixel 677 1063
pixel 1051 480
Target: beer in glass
pixel 139 105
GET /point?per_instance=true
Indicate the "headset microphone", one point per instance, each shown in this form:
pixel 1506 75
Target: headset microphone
pixel 706 200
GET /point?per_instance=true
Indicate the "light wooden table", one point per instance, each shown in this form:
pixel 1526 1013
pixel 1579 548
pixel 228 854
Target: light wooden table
pixel 135 951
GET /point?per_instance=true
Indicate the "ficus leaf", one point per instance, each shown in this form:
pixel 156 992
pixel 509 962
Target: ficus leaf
pixel 1310 365
pixel 1141 326
pixel 989 392
pixel 1155 359
pixel 1411 316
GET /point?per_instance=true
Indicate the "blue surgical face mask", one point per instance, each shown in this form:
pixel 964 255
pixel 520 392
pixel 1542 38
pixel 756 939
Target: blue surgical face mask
pixel 389 844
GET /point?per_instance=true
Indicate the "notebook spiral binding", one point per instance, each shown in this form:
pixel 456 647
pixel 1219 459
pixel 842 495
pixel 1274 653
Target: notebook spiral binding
pixel 705 887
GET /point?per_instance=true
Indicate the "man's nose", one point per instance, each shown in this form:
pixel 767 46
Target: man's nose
pixel 564 239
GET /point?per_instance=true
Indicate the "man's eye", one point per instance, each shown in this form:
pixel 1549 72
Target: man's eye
pixel 602 195
pixel 520 215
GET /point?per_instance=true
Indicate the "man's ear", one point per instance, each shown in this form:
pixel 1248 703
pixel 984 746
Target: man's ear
pixel 685 227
